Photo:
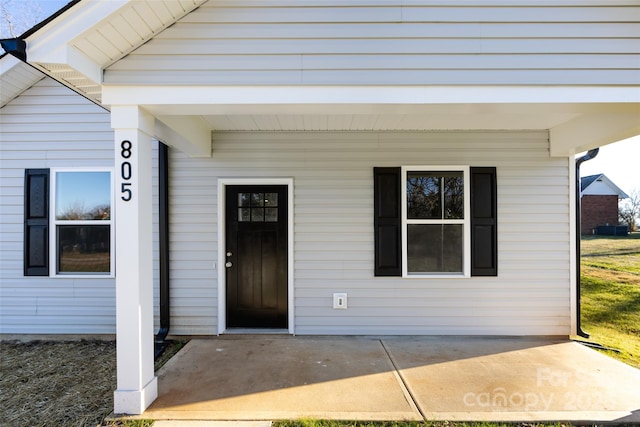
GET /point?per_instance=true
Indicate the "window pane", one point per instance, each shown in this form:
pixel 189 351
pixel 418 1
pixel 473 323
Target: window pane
pixel 244 199
pixel 271 214
pixel 423 195
pixel 257 215
pixel 257 199
pixel 83 195
pixel 434 248
pixel 244 214
pixel 271 199
pixel 453 196
pixel 435 195
pixel 84 248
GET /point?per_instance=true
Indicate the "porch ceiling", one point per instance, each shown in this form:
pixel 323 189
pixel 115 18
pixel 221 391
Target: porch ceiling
pixel 573 127
pixel 387 117
pixel 417 119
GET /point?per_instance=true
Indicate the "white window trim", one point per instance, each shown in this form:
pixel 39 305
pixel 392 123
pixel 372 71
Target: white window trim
pixel 466 247
pixel 53 246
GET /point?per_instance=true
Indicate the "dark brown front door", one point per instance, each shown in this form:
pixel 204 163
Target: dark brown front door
pixel 256 256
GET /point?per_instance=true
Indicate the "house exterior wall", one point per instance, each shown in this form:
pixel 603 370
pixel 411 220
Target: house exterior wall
pixel 599 188
pixel 333 227
pixel 597 210
pixel 49 126
pixel 391 42
pixel 334 236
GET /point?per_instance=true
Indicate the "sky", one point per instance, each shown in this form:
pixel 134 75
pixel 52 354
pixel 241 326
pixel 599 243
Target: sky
pixel 24 14
pixel 619 161
pixel 86 190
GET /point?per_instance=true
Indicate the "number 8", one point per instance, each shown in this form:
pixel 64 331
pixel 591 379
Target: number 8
pixel 126 149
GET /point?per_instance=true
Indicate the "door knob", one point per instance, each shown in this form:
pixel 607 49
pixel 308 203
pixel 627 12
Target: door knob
pixel 228 264
pixel 229 254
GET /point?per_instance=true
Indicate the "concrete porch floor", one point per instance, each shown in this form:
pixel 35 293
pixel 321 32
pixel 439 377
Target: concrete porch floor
pixel 259 377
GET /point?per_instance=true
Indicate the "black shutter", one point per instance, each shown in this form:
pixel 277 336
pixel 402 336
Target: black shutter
pixel 36 222
pixel 484 222
pixel 387 221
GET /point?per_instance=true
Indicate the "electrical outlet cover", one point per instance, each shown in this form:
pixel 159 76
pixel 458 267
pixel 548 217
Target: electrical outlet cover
pixel 340 301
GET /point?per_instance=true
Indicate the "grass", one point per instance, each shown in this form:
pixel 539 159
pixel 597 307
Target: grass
pixel 610 293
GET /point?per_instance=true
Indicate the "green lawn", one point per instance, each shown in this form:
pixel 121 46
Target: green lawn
pixel 610 293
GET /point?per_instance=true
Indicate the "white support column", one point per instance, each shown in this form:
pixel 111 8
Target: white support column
pixel 137 384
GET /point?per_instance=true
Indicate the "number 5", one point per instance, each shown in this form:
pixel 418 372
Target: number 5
pixel 126 191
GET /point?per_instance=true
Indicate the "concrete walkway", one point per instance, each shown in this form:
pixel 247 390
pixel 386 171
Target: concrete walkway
pixel 261 377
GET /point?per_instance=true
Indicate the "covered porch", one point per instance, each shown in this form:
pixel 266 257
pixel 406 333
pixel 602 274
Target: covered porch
pixel 575 115
pixel 267 377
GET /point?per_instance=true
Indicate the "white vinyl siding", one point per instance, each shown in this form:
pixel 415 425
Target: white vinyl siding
pixel 333 233
pixel 49 126
pixel 390 42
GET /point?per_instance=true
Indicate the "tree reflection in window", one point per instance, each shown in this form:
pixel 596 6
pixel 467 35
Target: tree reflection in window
pixel 435 195
pixel 83 222
pixel 258 207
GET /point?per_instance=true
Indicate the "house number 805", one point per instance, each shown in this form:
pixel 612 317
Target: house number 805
pixel 125 170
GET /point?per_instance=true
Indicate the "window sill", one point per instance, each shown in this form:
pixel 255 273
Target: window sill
pixel 83 276
pixel 436 276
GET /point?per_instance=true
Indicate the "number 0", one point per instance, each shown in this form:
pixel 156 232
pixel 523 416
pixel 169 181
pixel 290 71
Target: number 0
pixel 125 170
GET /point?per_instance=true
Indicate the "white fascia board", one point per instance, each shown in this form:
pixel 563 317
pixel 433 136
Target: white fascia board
pixel 189 134
pixel 47 44
pixel 82 64
pixel 52 44
pixel 592 131
pixel 366 95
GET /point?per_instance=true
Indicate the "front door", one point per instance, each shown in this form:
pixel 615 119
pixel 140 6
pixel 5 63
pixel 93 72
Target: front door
pixel 256 256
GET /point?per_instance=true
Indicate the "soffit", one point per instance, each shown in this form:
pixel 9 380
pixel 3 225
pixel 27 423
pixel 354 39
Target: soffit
pixel 389 117
pixel 16 78
pixel 76 46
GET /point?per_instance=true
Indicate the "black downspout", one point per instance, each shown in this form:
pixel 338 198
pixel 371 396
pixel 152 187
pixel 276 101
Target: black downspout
pixel 590 155
pixel 163 219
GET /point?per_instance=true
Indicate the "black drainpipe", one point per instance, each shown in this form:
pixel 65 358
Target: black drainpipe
pixel 590 155
pixel 161 342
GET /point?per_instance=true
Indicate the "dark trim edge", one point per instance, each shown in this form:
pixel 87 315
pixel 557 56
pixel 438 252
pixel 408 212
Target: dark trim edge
pixel 163 216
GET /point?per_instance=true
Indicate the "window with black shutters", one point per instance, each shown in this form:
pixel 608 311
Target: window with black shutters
pixel 435 221
pixel 68 222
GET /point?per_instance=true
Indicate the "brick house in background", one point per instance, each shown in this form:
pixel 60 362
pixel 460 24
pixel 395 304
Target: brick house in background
pixel 599 203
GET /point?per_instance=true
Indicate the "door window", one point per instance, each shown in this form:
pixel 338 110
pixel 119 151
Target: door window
pixel 257 207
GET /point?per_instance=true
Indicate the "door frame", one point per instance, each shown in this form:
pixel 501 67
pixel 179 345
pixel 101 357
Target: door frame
pixel 222 238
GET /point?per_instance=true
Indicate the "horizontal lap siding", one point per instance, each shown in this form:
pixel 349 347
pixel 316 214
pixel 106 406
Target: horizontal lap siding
pixel 384 42
pixel 50 126
pixel 333 232
pixel 193 237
